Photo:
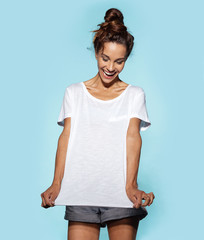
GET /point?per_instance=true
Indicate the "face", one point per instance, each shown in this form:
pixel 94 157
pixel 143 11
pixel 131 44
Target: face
pixel 111 61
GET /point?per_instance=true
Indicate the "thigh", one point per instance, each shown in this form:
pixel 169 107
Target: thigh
pixel 125 228
pixel 83 231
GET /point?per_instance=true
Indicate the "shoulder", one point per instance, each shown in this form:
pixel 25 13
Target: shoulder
pixel 73 88
pixel 136 90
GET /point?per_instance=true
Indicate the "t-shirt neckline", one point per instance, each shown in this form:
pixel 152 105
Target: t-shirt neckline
pixel 100 100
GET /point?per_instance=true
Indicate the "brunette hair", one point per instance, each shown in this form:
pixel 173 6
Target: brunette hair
pixel 113 30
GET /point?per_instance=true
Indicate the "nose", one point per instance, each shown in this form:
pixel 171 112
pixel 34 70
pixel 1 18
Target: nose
pixel 110 67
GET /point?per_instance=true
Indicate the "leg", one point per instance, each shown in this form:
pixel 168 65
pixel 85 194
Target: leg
pixel 125 228
pixel 83 231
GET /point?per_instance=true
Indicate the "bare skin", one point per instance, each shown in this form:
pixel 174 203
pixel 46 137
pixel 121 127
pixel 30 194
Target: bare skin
pixel 134 143
pixel 121 229
pixel 83 231
pixel 96 89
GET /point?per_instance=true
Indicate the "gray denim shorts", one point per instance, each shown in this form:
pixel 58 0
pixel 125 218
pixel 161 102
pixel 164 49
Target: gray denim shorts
pixel 93 214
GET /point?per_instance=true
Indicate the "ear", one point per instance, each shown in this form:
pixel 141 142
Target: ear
pixel 96 55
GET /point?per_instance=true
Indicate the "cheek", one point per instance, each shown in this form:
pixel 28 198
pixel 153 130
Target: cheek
pixel 100 64
pixel 120 68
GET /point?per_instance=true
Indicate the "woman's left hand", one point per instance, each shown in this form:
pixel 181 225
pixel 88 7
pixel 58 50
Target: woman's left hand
pixel 136 196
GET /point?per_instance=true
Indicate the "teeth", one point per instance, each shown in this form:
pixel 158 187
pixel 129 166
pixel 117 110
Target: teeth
pixel 109 74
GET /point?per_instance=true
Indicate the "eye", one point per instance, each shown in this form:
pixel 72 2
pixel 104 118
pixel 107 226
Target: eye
pixel 104 59
pixel 120 62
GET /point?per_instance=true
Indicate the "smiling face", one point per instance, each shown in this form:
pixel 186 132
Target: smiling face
pixel 111 61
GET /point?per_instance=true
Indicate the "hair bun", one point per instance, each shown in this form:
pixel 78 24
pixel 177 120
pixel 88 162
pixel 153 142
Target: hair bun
pixel 113 14
pixel 113 30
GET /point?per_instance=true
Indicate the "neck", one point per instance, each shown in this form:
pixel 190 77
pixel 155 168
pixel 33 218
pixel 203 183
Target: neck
pixel 98 82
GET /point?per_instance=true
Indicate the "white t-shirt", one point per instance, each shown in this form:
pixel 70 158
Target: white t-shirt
pixel 95 167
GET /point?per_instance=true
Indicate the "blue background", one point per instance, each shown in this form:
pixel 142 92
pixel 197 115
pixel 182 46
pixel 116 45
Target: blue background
pixel 43 49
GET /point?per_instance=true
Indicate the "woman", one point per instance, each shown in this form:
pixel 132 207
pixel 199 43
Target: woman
pixel 98 150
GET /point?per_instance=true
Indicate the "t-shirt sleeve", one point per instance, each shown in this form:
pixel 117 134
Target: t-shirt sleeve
pixel 139 110
pixel 66 108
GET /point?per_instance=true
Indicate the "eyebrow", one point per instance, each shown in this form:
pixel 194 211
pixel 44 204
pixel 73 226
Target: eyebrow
pixel 109 58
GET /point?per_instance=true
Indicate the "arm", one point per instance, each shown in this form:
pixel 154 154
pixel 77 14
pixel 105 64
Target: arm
pixel 134 144
pixel 52 192
pixel 61 152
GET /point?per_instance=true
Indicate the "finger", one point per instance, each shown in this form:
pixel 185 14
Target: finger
pixel 139 200
pixel 134 200
pixel 46 206
pixel 152 198
pixel 43 202
pixel 147 200
pixel 52 202
pixel 52 198
pixel 152 195
pixel 41 195
pixel 47 200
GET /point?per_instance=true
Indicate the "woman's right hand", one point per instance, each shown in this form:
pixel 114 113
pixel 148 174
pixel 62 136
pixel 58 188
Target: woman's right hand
pixel 49 196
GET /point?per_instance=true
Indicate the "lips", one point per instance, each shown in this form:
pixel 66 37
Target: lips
pixel 107 74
